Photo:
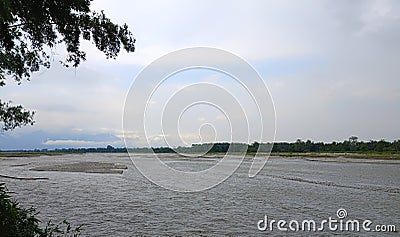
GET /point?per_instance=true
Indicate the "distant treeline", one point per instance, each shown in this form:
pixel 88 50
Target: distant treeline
pixel 350 145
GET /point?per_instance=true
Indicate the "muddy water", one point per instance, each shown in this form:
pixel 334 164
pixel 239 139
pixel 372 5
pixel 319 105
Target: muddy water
pixel 128 204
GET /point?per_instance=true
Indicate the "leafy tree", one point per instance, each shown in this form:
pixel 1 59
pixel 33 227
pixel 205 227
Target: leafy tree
pixel 18 221
pixel 353 139
pixel 29 32
pixel 14 116
pixel 253 147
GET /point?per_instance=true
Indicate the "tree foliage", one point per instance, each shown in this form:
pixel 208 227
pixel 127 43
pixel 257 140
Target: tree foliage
pixel 346 146
pixel 14 116
pixel 30 30
pixel 17 221
pixel 351 145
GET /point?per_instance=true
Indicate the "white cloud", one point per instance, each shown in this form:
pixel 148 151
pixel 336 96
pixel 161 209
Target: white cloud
pixel 80 143
pixel 201 119
pixel 349 85
pixel 220 117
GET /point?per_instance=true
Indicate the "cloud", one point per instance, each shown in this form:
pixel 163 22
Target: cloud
pixel 44 139
pixel 79 143
pixel 253 29
pixel 332 69
pixel 220 117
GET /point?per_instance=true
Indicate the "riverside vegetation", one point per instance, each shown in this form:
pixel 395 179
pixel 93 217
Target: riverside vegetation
pixel 348 148
pixel 19 221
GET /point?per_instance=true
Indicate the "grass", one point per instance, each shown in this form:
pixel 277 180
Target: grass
pixel 369 155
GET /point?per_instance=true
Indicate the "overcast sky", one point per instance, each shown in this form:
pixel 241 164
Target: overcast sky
pixel 332 68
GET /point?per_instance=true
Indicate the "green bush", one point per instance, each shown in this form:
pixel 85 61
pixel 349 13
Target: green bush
pixel 16 221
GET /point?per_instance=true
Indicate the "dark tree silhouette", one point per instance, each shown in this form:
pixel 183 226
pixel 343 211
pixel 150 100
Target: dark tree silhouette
pixel 29 31
pixel 14 116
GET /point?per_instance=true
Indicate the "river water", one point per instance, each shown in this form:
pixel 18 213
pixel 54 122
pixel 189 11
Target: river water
pixel 286 189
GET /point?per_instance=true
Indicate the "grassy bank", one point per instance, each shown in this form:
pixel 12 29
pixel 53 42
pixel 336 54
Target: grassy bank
pixel 372 155
pixel 369 155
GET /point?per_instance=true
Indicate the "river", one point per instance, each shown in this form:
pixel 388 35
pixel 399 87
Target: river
pixel 286 189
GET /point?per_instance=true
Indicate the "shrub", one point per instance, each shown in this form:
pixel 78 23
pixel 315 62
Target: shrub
pixel 16 221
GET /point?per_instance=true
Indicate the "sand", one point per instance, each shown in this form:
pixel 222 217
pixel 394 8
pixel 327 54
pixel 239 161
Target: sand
pixel 86 167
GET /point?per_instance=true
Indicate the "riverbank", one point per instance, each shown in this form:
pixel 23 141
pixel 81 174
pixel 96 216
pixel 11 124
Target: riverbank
pixel 379 156
pixel 316 155
pixel 31 154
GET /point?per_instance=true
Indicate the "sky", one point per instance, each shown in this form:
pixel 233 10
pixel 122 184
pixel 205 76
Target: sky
pixel 331 67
